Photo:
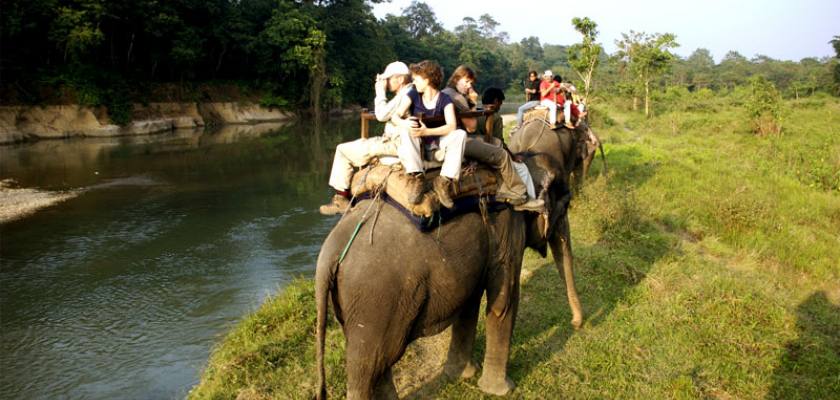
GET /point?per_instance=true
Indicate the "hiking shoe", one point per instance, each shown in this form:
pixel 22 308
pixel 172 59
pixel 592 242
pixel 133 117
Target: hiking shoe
pixel 511 200
pixel 414 190
pixel 338 204
pixel 441 188
pixel 534 205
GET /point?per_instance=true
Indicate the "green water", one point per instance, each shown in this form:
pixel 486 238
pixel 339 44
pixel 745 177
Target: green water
pixel 122 291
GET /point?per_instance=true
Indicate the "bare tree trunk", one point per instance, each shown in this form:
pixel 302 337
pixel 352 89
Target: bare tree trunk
pixel 647 98
pixel 318 77
pixel 128 55
pixel 221 57
pixel 635 103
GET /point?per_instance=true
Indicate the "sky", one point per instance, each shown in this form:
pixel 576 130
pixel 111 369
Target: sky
pixel 780 29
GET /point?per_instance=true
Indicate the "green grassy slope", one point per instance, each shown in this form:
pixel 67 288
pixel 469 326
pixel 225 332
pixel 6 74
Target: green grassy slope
pixel 708 263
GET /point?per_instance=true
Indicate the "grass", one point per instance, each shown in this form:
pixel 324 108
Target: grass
pixel 707 263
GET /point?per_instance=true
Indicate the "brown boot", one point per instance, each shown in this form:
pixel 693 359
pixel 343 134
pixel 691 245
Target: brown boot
pixel 338 204
pixel 441 188
pixel 533 205
pixel 415 188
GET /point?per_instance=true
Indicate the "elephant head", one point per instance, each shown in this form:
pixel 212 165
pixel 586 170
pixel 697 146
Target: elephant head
pixel 551 156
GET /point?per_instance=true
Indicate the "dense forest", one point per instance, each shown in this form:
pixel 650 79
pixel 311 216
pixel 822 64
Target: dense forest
pixel 297 54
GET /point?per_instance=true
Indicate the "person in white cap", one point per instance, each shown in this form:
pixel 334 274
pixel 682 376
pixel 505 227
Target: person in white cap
pixel 548 96
pixel 395 141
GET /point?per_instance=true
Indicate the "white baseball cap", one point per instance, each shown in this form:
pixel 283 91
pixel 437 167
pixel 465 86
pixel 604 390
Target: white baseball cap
pixel 548 73
pixel 394 68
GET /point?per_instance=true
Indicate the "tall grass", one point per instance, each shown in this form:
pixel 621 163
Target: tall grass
pixel 707 262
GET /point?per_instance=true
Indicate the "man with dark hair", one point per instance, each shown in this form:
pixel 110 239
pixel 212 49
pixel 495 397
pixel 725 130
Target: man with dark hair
pixel 492 95
pixel 532 96
pixel 493 99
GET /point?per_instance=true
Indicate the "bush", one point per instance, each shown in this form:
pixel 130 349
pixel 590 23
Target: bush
pixel 275 101
pixel 764 106
pixel 94 88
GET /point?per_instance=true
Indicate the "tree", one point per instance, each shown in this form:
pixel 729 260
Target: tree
pixel 584 56
pixel 733 70
pixel 531 48
pixel 480 48
pixel 647 57
pixel 421 20
pixel 76 28
pixel 701 68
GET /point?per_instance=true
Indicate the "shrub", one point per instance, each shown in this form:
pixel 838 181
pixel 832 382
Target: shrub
pixel 764 106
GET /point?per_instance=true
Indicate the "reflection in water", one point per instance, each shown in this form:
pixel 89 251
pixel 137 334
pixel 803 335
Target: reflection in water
pixel 122 291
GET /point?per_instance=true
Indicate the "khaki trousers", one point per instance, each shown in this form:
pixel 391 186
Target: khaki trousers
pixel 512 187
pixel 359 152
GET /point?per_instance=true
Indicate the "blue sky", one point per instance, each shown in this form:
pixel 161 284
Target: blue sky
pixel 786 30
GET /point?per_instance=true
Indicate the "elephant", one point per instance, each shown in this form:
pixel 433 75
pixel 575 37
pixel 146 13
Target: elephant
pixel 389 283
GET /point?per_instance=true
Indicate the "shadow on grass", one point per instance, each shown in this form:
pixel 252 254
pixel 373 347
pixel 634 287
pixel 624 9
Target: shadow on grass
pixel 605 273
pixel 810 366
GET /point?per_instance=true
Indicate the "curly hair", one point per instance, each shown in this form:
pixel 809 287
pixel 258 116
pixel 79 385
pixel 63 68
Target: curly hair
pixel 430 70
pixel 462 71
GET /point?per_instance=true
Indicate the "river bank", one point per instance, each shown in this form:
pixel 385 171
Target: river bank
pixel 28 123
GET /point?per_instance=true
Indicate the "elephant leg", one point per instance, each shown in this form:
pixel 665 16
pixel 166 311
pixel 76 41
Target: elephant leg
pixel 561 247
pixel 587 162
pixel 386 389
pixel 499 323
pixel 578 176
pixel 459 360
pixel 362 372
pixel 369 361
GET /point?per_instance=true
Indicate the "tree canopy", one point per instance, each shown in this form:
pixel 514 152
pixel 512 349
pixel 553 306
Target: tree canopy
pixel 297 53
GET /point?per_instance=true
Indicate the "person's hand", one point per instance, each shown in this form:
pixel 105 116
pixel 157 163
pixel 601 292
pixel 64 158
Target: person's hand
pixel 472 95
pixel 419 130
pixel 380 85
pixel 411 123
pixel 470 124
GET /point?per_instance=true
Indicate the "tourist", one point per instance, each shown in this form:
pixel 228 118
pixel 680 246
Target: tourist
pixel 532 97
pixel 427 101
pixel 396 140
pixel 548 96
pixel 512 188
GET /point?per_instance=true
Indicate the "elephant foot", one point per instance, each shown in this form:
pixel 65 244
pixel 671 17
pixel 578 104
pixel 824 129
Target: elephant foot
pixel 497 387
pixel 465 372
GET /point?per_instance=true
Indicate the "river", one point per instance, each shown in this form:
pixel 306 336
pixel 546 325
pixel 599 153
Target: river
pixel 122 291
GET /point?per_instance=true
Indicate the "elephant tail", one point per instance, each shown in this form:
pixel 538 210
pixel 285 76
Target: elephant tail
pixel 323 281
